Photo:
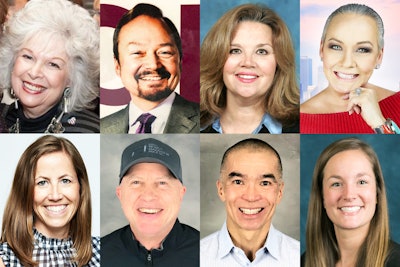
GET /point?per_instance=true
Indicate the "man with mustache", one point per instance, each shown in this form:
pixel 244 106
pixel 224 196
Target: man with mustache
pixel 147 57
pixel 251 187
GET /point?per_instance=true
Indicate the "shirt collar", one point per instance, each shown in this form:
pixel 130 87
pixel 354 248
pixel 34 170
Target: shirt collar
pixel 161 112
pixel 273 126
pixel 271 244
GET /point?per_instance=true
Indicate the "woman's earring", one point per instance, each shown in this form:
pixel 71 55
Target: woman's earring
pixel 15 97
pixel 66 96
pixel 377 66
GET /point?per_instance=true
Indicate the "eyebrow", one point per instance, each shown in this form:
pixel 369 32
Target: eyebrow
pixel 258 45
pixel 358 43
pixel 263 176
pixel 142 44
pixel 47 58
pixel 358 175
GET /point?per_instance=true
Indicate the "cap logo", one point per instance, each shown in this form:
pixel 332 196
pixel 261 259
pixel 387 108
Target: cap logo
pixel 153 148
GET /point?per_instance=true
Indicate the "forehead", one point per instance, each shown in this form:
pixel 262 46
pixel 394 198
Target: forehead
pixel 348 161
pixel 252 28
pixel 54 47
pixel 145 29
pixel 353 25
pixel 251 161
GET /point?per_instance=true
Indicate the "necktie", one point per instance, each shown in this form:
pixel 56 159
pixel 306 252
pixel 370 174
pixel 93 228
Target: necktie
pixel 146 119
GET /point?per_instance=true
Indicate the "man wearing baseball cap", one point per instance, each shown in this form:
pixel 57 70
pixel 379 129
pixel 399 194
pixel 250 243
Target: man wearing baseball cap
pixel 150 191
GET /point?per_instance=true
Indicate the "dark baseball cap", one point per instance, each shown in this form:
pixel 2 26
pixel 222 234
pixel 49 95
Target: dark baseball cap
pixel 153 151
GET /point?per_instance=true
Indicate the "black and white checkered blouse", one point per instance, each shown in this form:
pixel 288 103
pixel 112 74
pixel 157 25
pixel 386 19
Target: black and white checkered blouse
pixel 49 252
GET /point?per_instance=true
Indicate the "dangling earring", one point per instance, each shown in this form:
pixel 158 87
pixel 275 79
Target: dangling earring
pixel 15 97
pixel 377 66
pixel 66 99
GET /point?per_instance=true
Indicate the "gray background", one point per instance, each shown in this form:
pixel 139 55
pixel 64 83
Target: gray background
pixel 387 149
pixel 213 146
pixel 13 145
pixel 187 146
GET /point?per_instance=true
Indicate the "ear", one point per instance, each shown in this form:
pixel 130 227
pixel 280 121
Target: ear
pixel 118 192
pixel 280 193
pixel 380 57
pixel 117 67
pixel 182 192
pixel 220 190
pixel 321 50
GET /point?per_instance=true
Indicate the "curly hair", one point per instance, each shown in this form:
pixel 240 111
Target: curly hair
pixel 282 98
pixel 49 19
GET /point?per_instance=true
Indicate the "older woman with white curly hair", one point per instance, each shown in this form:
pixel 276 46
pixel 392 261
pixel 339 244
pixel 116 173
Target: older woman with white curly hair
pixel 50 63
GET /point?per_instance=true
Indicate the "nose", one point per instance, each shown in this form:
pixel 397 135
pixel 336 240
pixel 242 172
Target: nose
pixel 349 192
pixel 55 193
pixel 247 60
pixel 148 193
pixel 348 59
pixel 251 193
pixel 36 70
pixel 151 61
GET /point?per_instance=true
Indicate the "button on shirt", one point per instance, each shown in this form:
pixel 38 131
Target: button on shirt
pixel 161 112
pixel 279 249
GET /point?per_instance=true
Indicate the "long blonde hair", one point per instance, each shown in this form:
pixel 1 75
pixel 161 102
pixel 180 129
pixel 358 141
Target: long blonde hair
pixel 282 98
pixel 321 244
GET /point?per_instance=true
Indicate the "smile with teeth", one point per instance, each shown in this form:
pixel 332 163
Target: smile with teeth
pixel 350 209
pixel 250 211
pixel 149 211
pixel 34 88
pixel 346 76
pixel 151 78
pixel 56 209
pixel 246 76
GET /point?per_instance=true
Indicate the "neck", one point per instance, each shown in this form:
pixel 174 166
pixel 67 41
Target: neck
pixel 152 241
pixel 349 242
pixel 249 241
pixel 144 104
pixel 238 118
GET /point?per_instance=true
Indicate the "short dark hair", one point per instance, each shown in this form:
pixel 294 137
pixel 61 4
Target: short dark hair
pixel 153 12
pixel 255 144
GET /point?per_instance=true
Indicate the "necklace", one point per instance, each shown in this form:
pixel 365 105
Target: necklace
pixel 55 125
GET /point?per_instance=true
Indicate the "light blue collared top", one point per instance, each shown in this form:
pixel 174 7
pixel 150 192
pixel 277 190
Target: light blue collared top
pixel 273 126
pixel 279 249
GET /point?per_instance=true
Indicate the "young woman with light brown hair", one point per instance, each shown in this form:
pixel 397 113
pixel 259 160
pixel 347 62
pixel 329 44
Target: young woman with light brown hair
pixel 248 74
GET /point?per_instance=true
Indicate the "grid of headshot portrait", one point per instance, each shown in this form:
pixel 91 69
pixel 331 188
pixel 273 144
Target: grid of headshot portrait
pixel 208 133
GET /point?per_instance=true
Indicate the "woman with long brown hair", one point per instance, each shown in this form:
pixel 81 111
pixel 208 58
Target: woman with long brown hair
pixel 47 218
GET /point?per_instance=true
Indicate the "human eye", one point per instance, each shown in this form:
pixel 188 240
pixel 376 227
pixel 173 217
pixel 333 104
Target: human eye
pixel 165 53
pixel 336 184
pixel 27 56
pixel 234 51
pixel 41 182
pixel 54 65
pixel 262 52
pixel 363 182
pixel 237 182
pixel 66 180
pixel 335 47
pixel 266 183
pixel 364 50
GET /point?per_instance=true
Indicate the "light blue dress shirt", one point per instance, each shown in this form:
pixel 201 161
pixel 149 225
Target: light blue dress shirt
pixel 218 250
pixel 273 126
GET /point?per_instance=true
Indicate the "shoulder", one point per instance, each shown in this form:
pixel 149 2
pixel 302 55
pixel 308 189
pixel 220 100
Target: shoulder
pixel 209 241
pixel 116 122
pixel 288 242
pixel 7 255
pixel 187 235
pixel 83 121
pixel 114 237
pixel 95 260
pixel 394 255
pixel 316 104
pixel 180 104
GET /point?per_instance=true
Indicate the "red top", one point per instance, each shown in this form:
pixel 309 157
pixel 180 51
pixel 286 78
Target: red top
pixel 342 122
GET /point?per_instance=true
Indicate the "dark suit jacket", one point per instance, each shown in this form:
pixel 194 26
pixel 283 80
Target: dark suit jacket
pixel 183 118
